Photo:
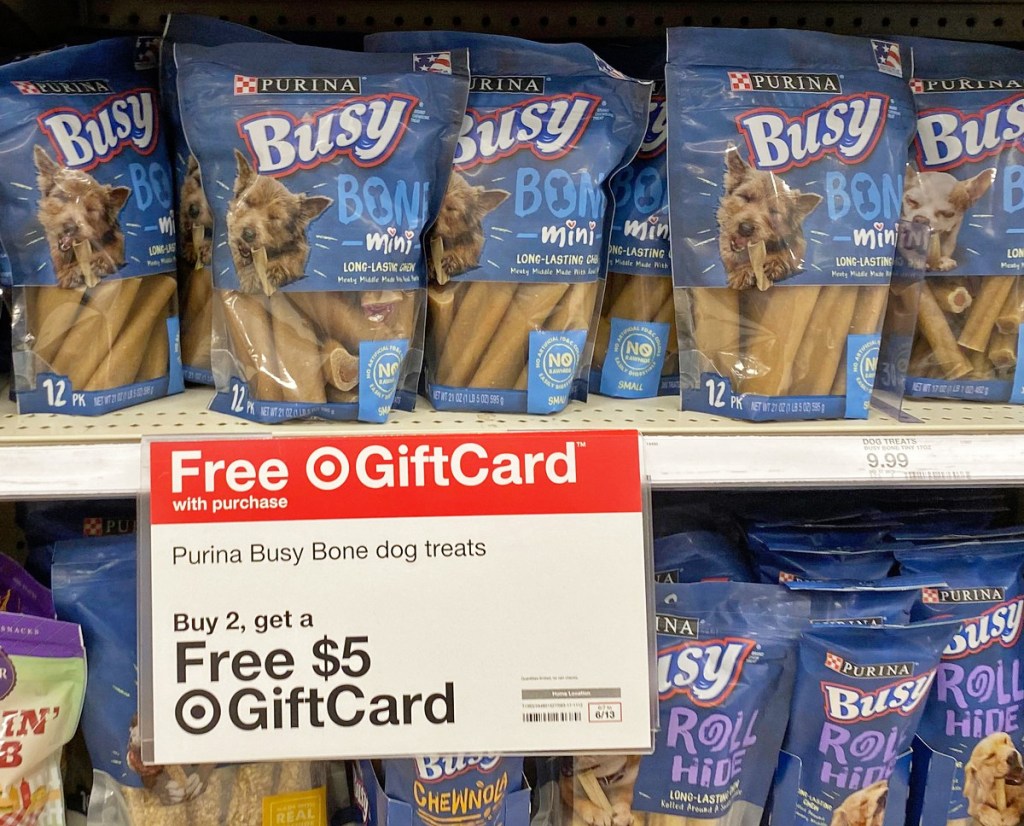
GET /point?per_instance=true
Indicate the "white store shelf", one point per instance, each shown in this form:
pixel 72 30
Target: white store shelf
pixel 52 456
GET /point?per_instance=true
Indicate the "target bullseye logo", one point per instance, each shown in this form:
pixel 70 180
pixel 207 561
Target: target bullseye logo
pixel 197 712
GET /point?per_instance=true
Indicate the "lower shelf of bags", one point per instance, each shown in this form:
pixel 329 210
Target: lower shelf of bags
pixel 932 443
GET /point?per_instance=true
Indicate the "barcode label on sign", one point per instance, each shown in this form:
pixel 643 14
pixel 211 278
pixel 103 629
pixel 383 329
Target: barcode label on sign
pixel 552 716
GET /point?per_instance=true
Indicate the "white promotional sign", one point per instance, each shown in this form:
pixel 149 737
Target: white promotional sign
pixel 364 596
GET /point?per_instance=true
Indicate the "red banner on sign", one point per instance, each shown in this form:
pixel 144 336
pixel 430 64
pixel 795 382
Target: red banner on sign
pixel 240 480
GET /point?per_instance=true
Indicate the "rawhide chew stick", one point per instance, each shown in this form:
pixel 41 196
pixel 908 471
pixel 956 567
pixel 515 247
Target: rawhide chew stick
pixel 105 309
pixel 999 787
pixel 757 254
pixel 509 349
pixel 1002 349
pixel 342 396
pixel 594 792
pixel 436 257
pixel 934 255
pixel 770 345
pixel 338 315
pixel 921 362
pixel 147 320
pixel 83 257
pixel 867 320
pixel 155 359
pixel 639 300
pixel 1011 316
pixel 51 312
pixel 575 310
pixel 947 357
pixel 951 294
pixel 249 329
pixel 440 311
pixel 824 342
pixel 715 327
pixel 299 361
pixel 197 318
pixel 198 241
pixel 259 263
pixel 987 306
pixel 981 367
pixel 481 308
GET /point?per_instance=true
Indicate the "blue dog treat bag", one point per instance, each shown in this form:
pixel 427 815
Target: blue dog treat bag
pixel 323 170
pixel 636 353
pixel 700 556
pixel 726 660
pixel 194 219
pixel 455 789
pixel 885 602
pixel 519 248
pixel 970 737
pixel 859 695
pixel 782 565
pixel 960 227
pixel 86 219
pixel 785 169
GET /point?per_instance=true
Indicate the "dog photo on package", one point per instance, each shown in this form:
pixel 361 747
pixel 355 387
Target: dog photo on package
pixel 961 228
pixel 786 158
pixel 323 169
pixel 86 206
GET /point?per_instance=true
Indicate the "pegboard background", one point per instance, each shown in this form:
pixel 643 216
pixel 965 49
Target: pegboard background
pixel 343 23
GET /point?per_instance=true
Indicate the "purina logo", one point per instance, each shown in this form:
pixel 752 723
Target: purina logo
pixel 926 86
pixel 246 85
pixel 671 626
pixel 818 84
pixel 62 87
pixel 706 672
pixel 947 138
pixel 841 665
pixel 522 85
pixel 366 130
pixel 548 127
pixel 942 596
pixel 997 626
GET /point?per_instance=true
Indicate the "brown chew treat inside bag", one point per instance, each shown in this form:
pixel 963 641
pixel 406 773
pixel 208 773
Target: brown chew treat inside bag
pixel 824 342
pixel 105 309
pixel 51 313
pixel 197 319
pixel 776 321
pixel 946 355
pixel 481 307
pixel 986 309
pixel 715 314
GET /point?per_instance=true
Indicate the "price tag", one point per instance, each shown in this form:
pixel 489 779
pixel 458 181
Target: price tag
pixel 749 461
pixel 308 598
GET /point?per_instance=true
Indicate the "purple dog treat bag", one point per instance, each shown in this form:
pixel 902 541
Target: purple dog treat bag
pixel 971 735
pixel 960 227
pixel 86 219
pixel 784 168
pixel 519 250
pixel 323 169
pixel 726 660
pixel 860 692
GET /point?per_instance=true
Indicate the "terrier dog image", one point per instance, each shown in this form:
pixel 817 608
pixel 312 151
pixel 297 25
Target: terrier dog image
pixel 195 220
pixel 760 221
pixel 459 225
pixel 993 780
pixel 615 774
pixel 939 201
pixel 171 784
pixel 79 218
pixel 266 226
pixel 863 808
